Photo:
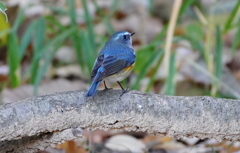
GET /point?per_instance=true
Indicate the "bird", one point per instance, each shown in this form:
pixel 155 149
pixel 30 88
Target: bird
pixel 114 62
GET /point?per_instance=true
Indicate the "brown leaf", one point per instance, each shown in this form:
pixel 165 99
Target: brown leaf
pixel 71 147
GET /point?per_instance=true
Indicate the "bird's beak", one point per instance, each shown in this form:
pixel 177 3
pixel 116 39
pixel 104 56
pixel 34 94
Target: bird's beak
pixel 132 33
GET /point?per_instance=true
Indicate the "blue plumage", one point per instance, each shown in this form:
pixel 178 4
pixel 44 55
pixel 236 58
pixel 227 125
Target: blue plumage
pixel 115 61
pixel 93 88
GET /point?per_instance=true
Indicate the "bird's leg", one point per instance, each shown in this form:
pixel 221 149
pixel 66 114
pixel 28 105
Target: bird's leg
pixel 106 88
pixel 123 90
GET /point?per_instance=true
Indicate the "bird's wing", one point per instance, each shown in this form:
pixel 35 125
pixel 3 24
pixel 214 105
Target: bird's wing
pixel 97 64
pixel 112 64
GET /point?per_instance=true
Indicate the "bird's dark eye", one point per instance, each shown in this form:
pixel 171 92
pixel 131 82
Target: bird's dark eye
pixel 124 36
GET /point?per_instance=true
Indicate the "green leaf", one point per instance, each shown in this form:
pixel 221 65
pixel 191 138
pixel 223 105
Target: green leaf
pixel 151 58
pixel 195 35
pixel 3 10
pixel 186 4
pixel 161 35
pixel 170 84
pixel 218 60
pixel 38 45
pixel 88 20
pixel 142 56
pixel 55 22
pixel 13 59
pixel 57 10
pixel 77 44
pixel 196 44
pixel 195 31
pixel 88 55
pixel 75 37
pixel 4 32
pixel 26 39
pixel 213 77
pixel 18 20
pixel 72 12
pixel 218 51
pixel 144 53
pixel 231 17
pixel 156 68
pixel 156 43
pixel 51 48
pixel 151 6
pixel 236 40
pixel 105 18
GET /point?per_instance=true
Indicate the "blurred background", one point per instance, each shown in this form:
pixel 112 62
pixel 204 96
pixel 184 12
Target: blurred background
pixel 50 46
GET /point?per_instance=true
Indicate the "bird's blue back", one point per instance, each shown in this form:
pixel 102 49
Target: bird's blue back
pixel 119 50
pixel 114 57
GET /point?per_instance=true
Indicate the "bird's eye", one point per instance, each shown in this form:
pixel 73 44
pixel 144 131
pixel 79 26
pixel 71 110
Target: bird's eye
pixel 124 36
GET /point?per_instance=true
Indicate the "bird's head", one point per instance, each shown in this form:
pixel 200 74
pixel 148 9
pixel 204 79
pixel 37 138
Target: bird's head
pixel 122 37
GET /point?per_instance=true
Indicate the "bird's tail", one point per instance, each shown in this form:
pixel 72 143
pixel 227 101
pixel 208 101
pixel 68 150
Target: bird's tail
pixel 93 88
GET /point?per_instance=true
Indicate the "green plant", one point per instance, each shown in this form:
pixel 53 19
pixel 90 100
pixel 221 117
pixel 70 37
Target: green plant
pixel 3 9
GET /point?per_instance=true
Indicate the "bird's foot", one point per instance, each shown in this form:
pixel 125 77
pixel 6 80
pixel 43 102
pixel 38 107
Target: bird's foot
pixel 125 91
pixel 106 89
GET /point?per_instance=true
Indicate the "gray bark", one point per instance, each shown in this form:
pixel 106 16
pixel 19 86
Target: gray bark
pixel 40 121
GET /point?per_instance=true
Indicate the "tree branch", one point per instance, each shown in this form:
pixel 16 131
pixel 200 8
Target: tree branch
pixel 39 118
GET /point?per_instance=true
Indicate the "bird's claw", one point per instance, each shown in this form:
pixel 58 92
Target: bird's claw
pixel 125 91
pixel 106 89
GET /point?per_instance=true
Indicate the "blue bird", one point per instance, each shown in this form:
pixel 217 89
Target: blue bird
pixel 114 62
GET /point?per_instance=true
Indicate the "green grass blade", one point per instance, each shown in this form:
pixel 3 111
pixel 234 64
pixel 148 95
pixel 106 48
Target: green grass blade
pixel 185 5
pixel 57 10
pixel 99 10
pixel 72 12
pixel 231 17
pixel 88 55
pixel 88 20
pixel 26 39
pixel 142 55
pixel 75 37
pixel 40 33
pixel 54 21
pixel 86 49
pixel 38 44
pixel 109 26
pixel 196 44
pixel 218 60
pixel 213 77
pixel 170 84
pixel 147 66
pixel 13 59
pixel 76 40
pixel 51 47
pixel 113 8
pixel 3 8
pixel 161 35
pixel 152 79
pixel 4 32
pixel 151 6
pixel 195 31
pixel 236 40
pixel 105 18
pixel 46 62
pixel 18 20
pixel 157 43
pixel 218 51
pixel 195 35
